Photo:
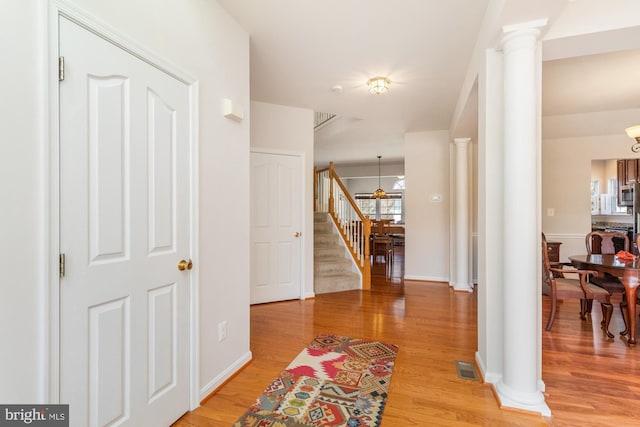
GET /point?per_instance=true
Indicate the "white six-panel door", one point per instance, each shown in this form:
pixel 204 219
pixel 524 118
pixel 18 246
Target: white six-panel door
pixel 276 224
pixel 124 225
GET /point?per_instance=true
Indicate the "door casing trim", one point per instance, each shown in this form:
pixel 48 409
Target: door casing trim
pixel 303 224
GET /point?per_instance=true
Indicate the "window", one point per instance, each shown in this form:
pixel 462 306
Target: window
pixel 391 209
pixel 367 206
pixel 595 197
pixel 388 208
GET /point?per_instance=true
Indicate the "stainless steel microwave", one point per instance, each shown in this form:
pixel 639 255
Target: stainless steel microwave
pixel 626 196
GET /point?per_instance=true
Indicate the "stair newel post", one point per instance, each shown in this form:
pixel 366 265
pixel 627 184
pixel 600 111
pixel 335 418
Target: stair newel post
pixel 331 181
pixel 366 272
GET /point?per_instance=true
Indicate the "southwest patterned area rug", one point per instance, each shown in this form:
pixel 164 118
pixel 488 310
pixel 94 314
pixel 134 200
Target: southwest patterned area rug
pixel 334 381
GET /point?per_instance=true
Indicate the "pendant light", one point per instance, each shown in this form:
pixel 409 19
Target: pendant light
pixel 379 193
pixel 634 132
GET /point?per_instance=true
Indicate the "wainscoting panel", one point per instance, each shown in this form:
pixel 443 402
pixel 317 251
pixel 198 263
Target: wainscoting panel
pixel 572 244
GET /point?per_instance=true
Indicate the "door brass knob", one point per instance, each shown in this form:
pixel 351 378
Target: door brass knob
pixel 185 265
pixel 297 234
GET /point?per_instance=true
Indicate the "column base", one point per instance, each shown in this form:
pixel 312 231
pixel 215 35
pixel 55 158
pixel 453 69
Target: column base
pixel 532 402
pixel 462 287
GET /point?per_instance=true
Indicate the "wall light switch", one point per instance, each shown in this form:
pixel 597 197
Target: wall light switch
pixel 222 330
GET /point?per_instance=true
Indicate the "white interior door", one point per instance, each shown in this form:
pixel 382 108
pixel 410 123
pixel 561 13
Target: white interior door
pixel 276 225
pixel 124 225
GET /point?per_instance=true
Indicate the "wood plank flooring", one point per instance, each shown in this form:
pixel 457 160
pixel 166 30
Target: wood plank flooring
pixel 590 381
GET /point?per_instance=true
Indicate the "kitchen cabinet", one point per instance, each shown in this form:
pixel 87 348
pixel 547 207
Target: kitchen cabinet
pixel 622 178
pixel 628 171
pixel 631 170
pixel 622 172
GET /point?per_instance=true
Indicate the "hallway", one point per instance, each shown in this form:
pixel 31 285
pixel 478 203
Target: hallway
pixel 379 268
pixel 586 375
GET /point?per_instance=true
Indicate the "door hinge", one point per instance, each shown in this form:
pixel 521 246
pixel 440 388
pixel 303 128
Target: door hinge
pixel 60 68
pixel 62 265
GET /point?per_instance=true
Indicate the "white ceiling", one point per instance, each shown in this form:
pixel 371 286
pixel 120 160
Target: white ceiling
pixel 301 49
pixel 591 95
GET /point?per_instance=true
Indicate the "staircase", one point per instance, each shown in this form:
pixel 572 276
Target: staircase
pixel 333 267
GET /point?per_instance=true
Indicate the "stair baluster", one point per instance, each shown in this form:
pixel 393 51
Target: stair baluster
pixel 332 196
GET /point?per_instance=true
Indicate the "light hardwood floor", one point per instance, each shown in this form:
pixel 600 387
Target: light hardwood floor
pixel 590 381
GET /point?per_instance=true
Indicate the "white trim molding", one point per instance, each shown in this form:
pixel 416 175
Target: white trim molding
pixel 219 380
pixel 427 278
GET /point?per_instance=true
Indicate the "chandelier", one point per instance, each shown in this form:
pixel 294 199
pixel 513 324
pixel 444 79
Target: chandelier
pixel 634 132
pixel 379 193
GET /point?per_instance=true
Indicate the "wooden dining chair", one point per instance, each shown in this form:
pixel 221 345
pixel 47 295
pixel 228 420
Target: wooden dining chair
pixel 562 288
pixel 382 243
pixel 378 226
pixel 607 242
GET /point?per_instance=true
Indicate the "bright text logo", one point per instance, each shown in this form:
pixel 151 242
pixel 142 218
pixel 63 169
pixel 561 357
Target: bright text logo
pixel 34 415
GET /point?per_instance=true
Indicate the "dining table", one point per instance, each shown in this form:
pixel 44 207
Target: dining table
pixel 627 271
pixel 394 229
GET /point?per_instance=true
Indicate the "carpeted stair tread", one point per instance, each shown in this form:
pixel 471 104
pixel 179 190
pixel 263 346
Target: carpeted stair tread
pixel 336 283
pixel 333 267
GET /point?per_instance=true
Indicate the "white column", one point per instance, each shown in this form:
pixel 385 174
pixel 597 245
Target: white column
pixel 462 280
pixel 490 224
pixel 519 386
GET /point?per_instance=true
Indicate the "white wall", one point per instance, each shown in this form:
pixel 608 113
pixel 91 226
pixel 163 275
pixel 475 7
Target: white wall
pixel 474 210
pixel 22 310
pixel 427 222
pixel 598 173
pixel 369 169
pixel 196 36
pixel 290 130
pixel 369 185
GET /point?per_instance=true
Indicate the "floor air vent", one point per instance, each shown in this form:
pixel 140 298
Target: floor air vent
pixel 466 370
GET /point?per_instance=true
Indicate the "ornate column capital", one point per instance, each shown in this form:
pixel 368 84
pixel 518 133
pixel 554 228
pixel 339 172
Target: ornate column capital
pixel 459 141
pixel 521 35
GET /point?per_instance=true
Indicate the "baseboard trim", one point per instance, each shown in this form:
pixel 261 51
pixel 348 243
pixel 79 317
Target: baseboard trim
pixel 227 375
pixel 427 278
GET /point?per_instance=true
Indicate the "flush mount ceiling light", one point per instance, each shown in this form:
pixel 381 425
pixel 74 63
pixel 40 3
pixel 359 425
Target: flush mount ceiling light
pixel 634 132
pixel 378 85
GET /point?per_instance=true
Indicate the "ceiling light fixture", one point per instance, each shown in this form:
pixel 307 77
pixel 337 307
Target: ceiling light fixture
pixel 378 85
pixel 379 193
pixel 634 132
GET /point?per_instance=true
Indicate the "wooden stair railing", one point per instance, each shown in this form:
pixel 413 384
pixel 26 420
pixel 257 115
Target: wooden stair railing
pixel 330 195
